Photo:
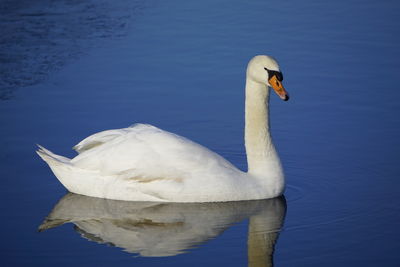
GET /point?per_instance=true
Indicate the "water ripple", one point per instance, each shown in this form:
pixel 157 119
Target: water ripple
pixel 39 37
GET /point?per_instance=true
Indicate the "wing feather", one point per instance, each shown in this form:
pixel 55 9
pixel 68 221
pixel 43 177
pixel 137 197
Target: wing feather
pixel 145 152
pixel 97 140
pixel 100 138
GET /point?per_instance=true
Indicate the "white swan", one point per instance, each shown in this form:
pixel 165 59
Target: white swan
pixel 144 163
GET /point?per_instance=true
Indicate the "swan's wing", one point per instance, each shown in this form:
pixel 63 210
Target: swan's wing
pixel 98 139
pixel 146 153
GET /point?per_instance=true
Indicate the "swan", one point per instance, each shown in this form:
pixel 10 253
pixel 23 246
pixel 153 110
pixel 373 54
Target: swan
pixel 145 163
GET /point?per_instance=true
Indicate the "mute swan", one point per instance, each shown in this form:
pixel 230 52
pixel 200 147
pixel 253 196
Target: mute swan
pixel 144 163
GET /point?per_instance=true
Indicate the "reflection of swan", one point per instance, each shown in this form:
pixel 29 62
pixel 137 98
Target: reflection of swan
pixel 144 163
pixel 263 232
pixel 167 229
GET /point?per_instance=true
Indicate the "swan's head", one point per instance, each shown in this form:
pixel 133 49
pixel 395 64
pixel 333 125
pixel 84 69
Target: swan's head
pixel 265 70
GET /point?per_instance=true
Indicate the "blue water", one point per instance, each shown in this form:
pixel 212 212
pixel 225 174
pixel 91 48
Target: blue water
pixel 72 68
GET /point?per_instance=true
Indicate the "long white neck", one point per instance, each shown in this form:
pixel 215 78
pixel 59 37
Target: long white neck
pixel 262 159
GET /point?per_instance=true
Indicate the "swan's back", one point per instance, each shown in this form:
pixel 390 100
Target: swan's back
pixel 145 152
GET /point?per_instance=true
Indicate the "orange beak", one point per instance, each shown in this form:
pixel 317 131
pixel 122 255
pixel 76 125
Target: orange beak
pixel 278 88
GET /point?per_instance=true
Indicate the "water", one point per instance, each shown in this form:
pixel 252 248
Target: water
pixel 72 68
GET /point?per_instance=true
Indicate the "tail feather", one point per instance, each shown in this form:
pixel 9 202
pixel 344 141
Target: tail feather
pixel 69 175
pixel 50 157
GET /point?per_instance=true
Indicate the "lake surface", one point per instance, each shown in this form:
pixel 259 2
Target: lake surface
pixel 72 68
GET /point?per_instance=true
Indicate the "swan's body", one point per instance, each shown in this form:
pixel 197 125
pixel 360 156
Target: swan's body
pixel 144 163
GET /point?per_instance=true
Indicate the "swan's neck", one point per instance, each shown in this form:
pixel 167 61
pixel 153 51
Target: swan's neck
pixel 262 158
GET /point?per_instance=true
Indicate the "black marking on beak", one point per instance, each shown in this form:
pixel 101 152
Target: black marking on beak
pixel 271 74
pixel 286 97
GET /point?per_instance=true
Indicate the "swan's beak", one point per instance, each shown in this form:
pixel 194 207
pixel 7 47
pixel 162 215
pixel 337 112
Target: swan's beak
pixel 278 88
